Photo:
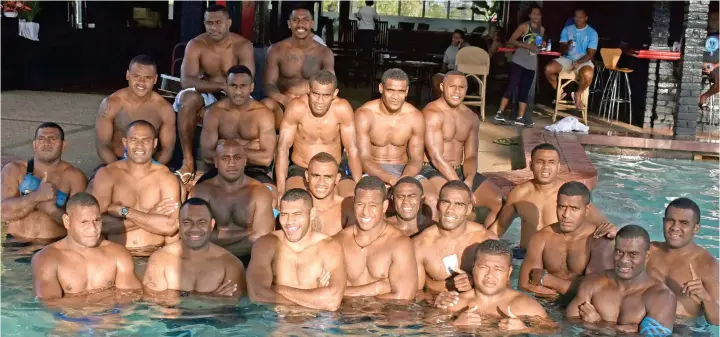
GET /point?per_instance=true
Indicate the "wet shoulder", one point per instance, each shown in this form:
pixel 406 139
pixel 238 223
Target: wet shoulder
pixel 15 169
pixel 704 262
pixel 70 171
pixel 114 249
pixel 518 192
pixel 369 107
pixel 480 232
pixel 238 40
pixel 398 239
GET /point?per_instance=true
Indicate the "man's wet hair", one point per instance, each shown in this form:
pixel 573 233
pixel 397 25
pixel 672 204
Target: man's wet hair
pixel 141 122
pixel 493 247
pixel 240 69
pixel 634 232
pixel 685 203
pixel 396 74
pixel 197 202
pixel 51 125
pixel 143 59
pixel 454 72
pixel 580 10
pixel 303 7
pixel 575 188
pixel 324 77
pixel 323 157
pixel 460 32
pixel 81 199
pixel 544 146
pixel 296 194
pixel 409 180
pixel 372 183
pixel 218 8
pixel 457 185
pixel 369 3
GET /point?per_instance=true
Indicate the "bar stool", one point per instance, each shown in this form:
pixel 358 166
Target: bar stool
pixel 598 82
pixel 566 77
pixel 709 117
pixel 613 95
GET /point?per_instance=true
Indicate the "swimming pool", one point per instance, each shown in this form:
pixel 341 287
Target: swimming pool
pixel 630 190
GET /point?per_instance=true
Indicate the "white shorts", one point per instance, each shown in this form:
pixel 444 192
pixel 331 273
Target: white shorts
pixel 209 98
pixel 566 64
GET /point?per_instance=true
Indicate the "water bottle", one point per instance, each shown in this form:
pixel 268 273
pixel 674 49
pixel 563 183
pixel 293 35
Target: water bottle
pixel 549 45
pixel 538 41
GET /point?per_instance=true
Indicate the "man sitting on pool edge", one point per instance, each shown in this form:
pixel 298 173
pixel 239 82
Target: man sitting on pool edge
pixel 83 263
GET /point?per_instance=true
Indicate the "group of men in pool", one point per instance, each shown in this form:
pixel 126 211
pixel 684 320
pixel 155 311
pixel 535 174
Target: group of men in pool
pixel 337 235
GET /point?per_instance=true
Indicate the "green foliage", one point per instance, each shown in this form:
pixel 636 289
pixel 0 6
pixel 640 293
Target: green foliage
pixel 486 9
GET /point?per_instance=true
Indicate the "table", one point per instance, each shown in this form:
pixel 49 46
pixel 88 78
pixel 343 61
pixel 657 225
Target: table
pixel 550 53
pixel 650 54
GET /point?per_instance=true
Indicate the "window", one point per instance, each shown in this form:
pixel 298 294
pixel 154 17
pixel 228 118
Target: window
pixel 431 9
pixel 388 7
pixel 436 9
pixel 460 10
pixel 332 6
pixel 413 8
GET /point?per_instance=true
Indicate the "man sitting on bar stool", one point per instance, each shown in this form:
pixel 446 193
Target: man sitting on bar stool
pixel 580 43
pixel 711 58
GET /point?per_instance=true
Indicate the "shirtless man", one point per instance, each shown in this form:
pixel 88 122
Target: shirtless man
pixel 239 116
pixel 535 201
pixel 491 295
pixel 689 270
pixel 241 206
pixel 82 263
pixel 410 218
pixel 291 63
pixel 297 265
pixel 560 254
pixel 445 251
pixel 138 198
pixel 207 57
pixel 322 177
pixel 626 297
pixel 451 143
pixel 387 269
pixel 194 264
pixel 313 123
pixel 390 132
pixel 34 192
pixel 137 101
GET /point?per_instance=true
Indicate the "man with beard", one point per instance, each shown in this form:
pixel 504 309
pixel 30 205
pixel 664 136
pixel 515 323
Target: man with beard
pixel 689 270
pixel 390 132
pixel 560 254
pixel 444 251
pixel 138 198
pixel 297 265
pixel 194 264
pixel 240 117
pixel 207 57
pixel 492 296
pixel 626 296
pixel 291 63
pixel 34 192
pixel 136 102
pixel 535 201
pixel 241 206
pixel 322 177
pixel 380 260
pixel 314 123
pixel 408 198
pixel 82 267
pixel 451 142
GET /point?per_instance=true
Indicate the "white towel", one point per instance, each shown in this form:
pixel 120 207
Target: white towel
pixel 568 124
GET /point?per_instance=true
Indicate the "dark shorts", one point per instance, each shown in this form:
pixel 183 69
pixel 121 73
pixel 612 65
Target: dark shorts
pixel 299 171
pixel 259 173
pixel 518 253
pixel 429 172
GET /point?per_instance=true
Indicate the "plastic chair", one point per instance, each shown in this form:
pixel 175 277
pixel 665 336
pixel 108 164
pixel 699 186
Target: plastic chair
pixel 474 62
pixel 170 84
pixel 566 77
pixel 613 94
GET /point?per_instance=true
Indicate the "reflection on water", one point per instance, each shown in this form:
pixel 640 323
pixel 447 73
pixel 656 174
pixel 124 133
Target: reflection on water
pixel 630 190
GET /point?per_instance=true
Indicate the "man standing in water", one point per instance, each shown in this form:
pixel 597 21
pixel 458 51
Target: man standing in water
pixel 560 254
pixel 240 117
pixel 291 63
pixel 136 102
pixel 451 142
pixel 34 192
pixel 207 58
pixel 391 131
pixel 297 265
pixel 535 201
pixel 314 123
pixel 689 270
pixel 322 177
pixel 194 264
pixel 409 216
pixel 380 260
pixel 82 263
pixel 627 296
pixel 446 250
pixel 138 198
pixel 492 296
pixel 241 206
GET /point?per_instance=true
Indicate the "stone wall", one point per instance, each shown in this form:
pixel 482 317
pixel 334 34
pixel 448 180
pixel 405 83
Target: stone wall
pixel 662 85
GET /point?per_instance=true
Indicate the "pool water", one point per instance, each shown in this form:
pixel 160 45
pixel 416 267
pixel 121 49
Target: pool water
pixel 630 190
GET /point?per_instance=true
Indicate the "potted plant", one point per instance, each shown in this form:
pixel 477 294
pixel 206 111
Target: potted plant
pixel 11 8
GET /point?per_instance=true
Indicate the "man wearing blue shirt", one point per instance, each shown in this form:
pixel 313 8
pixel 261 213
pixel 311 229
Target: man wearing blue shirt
pixel 579 43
